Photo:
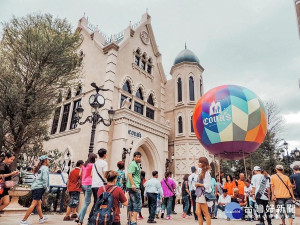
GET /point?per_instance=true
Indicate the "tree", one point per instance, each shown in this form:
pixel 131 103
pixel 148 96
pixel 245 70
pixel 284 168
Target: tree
pixel 37 58
pixel 267 155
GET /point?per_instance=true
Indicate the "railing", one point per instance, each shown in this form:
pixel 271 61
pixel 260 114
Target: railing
pixel 135 25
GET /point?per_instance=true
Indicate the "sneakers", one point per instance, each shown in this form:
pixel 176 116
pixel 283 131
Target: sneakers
pixel 67 218
pixel 228 219
pixel 162 215
pixel 42 220
pixel 157 217
pixel 74 216
pixel 24 222
pixel 140 218
pixel 173 212
pixel 168 218
pixel 151 221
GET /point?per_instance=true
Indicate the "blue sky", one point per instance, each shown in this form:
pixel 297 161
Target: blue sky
pixel 254 43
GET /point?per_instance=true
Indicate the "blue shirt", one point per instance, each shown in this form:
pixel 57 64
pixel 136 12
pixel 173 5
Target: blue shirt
pixel 153 186
pixel 213 183
pixel 41 179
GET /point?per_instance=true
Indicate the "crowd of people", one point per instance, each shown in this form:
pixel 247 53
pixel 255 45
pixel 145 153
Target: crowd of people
pixel 203 197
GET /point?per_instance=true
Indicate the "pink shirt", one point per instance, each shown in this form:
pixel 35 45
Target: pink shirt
pixel 166 190
pixel 86 178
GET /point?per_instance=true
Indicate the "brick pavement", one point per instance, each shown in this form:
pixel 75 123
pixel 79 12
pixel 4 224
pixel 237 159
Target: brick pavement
pixel 176 220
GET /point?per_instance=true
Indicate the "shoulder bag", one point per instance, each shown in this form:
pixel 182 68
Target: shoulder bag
pixel 285 185
pixel 104 182
pixel 169 187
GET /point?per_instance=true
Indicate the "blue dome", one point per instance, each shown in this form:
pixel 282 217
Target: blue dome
pixel 186 55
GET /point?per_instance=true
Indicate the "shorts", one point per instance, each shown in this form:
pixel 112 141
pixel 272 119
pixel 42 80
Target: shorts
pixel 74 199
pixel 285 205
pixel 135 200
pixel 5 192
pixel 37 194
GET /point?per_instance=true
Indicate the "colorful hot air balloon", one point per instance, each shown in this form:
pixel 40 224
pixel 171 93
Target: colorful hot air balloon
pixel 230 121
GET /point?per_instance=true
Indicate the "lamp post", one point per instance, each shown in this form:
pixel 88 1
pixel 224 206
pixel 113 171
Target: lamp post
pixel 127 151
pixel 168 162
pixel 96 101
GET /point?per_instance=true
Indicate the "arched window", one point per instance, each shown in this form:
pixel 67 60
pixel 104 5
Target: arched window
pixel 179 89
pixel 150 112
pixel 143 62
pixel 191 89
pixel 79 90
pixel 150 100
pixel 137 57
pixel 192 127
pixel 139 94
pixel 180 125
pixel 149 66
pixel 69 94
pixel 126 87
pixel 138 107
pixel 201 86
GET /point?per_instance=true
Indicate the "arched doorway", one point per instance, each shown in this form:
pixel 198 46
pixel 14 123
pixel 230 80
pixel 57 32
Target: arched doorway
pixel 150 157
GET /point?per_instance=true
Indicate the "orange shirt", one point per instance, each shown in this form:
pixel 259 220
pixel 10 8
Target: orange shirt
pixel 241 185
pixel 229 187
pixel 280 190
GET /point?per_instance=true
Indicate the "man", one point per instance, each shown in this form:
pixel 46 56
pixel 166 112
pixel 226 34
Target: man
pixel 261 193
pixel 133 186
pixel 282 193
pixel 98 175
pixel 240 199
pixel 174 198
pixel 295 179
pixel 192 181
pixel 241 183
pixel 224 199
pixel 152 189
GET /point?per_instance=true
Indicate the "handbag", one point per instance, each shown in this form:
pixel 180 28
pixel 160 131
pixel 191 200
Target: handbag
pixel 9 184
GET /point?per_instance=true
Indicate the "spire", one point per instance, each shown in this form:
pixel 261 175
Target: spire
pixel 185 45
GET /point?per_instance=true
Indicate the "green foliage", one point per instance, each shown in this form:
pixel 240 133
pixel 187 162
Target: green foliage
pixel 37 58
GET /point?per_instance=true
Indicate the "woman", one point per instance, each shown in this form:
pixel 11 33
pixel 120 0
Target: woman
pixel 142 188
pixel 117 193
pixel 203 185
pixel 168 186
pixel 86 185
pixel 229 185
pixel 186 196
pixel 121 180
pixel 39 186
pixel 6 174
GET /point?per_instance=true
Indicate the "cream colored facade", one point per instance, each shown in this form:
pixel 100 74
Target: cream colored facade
pixel 110 62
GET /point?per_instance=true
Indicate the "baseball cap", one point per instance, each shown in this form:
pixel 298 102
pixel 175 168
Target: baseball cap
pixel 43 157
pixel 257 168
pixel 279 167
pixel 193 169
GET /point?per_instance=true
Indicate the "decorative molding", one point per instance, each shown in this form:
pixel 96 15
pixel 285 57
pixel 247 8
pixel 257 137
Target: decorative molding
pixel 145 37
pixel 65 133
pixel 132 118
pixel 149 92
pixel 111 46
pixel 146 74
pixel 131 83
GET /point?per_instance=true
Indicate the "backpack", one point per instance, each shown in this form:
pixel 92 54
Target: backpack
pixel 104 212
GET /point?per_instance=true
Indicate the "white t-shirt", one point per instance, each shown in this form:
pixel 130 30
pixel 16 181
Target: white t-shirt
pixel 101 167
pixel 225 200
pixel 261 185
pixel 192 181
pixel 247 190
pixel 206 181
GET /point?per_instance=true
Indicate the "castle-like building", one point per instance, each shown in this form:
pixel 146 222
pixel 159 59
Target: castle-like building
pixel 151 113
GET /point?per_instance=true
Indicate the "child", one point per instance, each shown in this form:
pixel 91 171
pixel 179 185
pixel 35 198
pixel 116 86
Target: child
pixel 74 189
pixel 158 206
pixel 39 186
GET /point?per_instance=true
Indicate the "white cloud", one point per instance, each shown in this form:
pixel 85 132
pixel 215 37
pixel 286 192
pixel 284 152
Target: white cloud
pixel 292 118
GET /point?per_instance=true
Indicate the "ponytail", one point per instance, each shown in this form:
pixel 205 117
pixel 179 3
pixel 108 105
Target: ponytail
pixel 39 165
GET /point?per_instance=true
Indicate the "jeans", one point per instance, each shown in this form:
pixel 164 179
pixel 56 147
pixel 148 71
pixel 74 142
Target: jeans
pixel 186 203
pixel 173 203
pixel 87 191
pixel 95 192
pixel 194 204
pixel 262 208
pixel 167 204
pixel 152 202
pixel 135 200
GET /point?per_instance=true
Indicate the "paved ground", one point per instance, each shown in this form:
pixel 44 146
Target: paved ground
pixel 176 220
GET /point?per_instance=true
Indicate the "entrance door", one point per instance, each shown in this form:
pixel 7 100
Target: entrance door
pixel 147 161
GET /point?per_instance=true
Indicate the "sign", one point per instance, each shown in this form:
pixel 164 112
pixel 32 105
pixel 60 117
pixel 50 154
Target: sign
pixel 57 180
pixel 234 211
pixel 134 133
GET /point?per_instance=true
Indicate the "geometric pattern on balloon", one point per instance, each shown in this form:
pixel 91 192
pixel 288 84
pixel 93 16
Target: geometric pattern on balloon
pixel 230 120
